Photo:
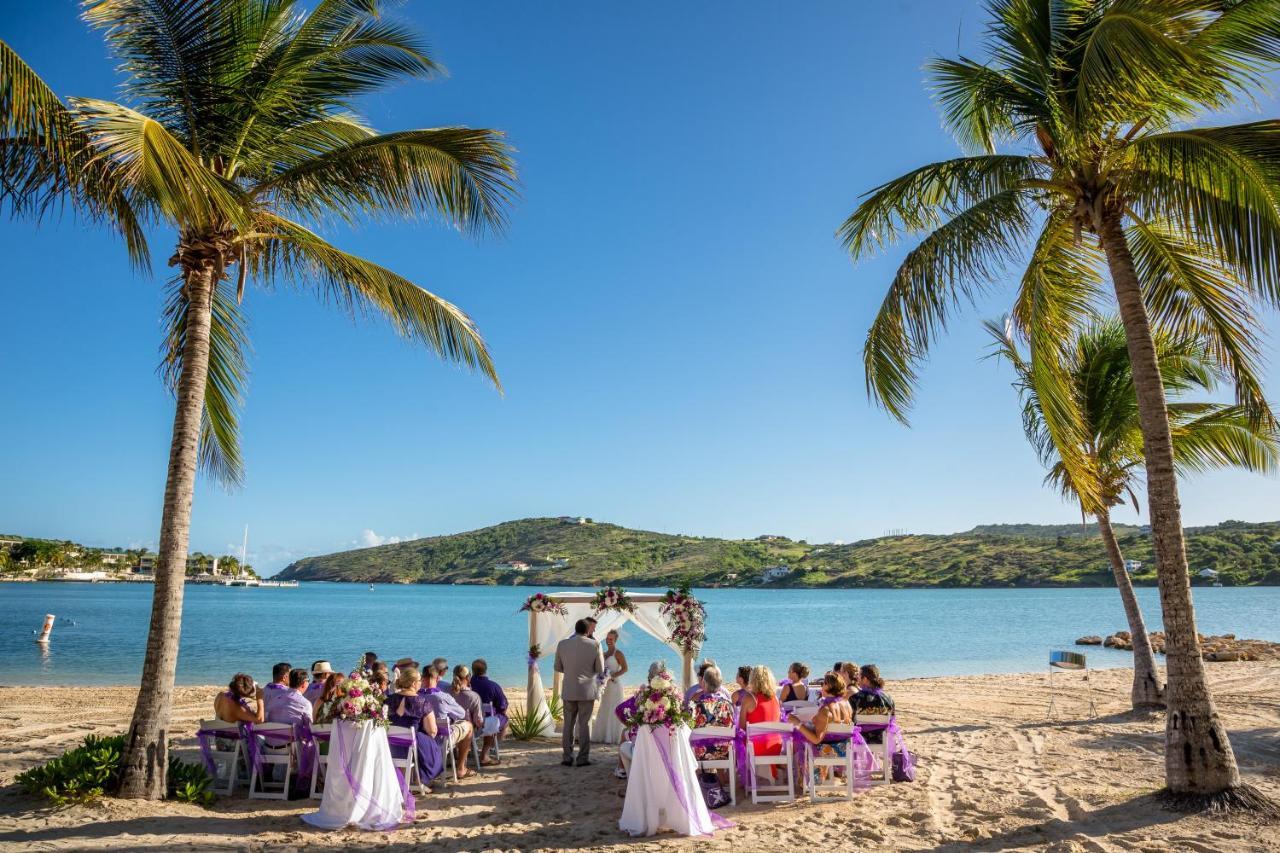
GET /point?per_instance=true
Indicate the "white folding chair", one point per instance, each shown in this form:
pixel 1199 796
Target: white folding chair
pixel 882 751
pixel 726 763
pixel 228 760
pixel 321 735
pixel 276 748
pixel 450 761
pixel 801 709
pixel 816 785
pixel 492 727
pixel 408 765
pixel 771 793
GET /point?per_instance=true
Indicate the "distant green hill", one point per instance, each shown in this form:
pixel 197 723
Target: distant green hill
pixel 562 552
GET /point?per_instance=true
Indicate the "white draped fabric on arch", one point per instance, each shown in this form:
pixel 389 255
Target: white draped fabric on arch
pixel 547 628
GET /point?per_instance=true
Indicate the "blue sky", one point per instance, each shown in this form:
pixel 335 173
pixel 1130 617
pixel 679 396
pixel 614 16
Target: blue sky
pixel 677 329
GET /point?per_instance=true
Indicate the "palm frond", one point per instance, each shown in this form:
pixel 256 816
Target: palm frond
pixel 981 105
pixel 466 175
pixel 951 265
pixel 1222 437
pixel 285 251
pixel 220 455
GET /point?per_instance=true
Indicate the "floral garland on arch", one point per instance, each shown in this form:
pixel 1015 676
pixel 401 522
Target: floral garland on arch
pixel 540 602
pixel 355 700
pixel 686 617
pixel 612 598
pixel 659 703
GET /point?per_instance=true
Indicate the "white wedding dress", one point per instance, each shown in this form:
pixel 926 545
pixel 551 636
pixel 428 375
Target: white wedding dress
pixel 606 727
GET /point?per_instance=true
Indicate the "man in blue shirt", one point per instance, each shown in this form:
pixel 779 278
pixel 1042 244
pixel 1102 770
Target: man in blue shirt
pixel 491 694
pixel 456 731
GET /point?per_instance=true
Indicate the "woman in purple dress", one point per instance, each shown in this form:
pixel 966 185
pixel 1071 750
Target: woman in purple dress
pixel 406 708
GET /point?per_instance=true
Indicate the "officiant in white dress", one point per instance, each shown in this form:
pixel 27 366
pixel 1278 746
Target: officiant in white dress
pixel 607 728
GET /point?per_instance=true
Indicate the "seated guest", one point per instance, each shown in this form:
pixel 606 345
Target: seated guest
pixel 406 708
pixel 871 700
pixel 851 677
pixel 381 680
pixel 320 671
pixel 490 693
pixel 711 708
pixel 696 687
pixel 797 688
pixel 460 690
pixel 286 703
pixel 742 679
pixel 331 685
pixel 278 687
pixel 833 708
pixel 455 731
pixel 233 705
pixel 403 663
pixel 759 704
pixel 441 666
pixel 370 658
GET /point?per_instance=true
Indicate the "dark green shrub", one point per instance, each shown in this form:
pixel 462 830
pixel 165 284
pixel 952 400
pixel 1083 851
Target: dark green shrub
pixel 92 769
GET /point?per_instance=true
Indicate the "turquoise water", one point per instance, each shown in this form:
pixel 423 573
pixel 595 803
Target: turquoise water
pixel 909 633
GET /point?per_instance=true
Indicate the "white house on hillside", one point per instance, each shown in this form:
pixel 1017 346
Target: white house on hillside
pixel 513 566
pixel 775 573
pixel 1133 565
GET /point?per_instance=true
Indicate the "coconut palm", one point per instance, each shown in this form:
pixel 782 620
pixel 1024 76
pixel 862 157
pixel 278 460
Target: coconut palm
pixel 1088 100
pixel 237 130
pixel 1205 436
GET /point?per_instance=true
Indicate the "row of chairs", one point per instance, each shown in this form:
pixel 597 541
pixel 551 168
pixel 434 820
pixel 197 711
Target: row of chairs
pixel 783 764
pixel 277 747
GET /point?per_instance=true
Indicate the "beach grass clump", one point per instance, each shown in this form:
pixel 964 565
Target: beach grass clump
pixel 92 770
pixel 524 726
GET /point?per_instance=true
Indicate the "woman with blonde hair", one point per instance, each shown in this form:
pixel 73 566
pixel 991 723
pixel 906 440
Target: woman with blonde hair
pixel 760 705
pixel 406 708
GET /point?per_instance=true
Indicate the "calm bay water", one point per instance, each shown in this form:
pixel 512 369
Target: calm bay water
pixel 909 633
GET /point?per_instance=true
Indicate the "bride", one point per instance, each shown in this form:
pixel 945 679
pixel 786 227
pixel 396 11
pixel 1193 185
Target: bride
pixel 607 728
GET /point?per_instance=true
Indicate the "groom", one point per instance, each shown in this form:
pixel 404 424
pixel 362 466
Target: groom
pixel 579 659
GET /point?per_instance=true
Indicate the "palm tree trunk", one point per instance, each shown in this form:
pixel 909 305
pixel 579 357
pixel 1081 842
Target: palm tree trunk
pixel 1147 690
pixel 146 750
pixel 1199 762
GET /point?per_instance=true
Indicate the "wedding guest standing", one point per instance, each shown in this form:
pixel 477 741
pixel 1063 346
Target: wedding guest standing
pixel 233 705
pixel 492 694
pixel 606 728
pixel 406 708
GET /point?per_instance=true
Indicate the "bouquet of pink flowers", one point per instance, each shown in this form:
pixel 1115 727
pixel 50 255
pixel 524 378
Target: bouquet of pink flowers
pixel 686 617
pixel 660 703
pixel 355 701
pixel 540 602
pixel 613 598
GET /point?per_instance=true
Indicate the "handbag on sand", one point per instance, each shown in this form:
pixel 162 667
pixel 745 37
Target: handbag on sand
pixel 713 793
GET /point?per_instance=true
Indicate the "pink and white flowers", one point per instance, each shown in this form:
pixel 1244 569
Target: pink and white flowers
pixel 659 703
pixel 540 602
pixel 356 701
pixel 686 617
pixel 612 598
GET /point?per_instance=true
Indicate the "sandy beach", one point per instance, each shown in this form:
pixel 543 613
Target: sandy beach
pixel 994 775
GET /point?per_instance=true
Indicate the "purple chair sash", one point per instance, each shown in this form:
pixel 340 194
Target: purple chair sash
pixel 677 785
pixel 344 760
pixel 243 732
pixel 739 741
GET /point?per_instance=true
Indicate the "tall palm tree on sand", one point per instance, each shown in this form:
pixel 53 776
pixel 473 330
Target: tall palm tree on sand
pixel 1091 98
pixel 237 130
pixel 1205 436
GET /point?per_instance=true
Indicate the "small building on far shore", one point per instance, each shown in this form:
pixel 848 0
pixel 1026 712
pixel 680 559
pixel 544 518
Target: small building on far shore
pixel 775 573
pixel 1133 565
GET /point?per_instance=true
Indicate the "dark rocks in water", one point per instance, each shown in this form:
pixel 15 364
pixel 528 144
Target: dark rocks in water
pixel 1216 648
pixel 1091 640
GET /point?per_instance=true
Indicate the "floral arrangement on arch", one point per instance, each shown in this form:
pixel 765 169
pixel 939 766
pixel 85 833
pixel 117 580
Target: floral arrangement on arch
pixel 357 700
pixel 612 598
pixel 659 703
pixel 535 652
pixel 540 602
pixel 686 617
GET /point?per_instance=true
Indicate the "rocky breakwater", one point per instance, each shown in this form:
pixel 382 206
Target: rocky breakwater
pixel 1221 647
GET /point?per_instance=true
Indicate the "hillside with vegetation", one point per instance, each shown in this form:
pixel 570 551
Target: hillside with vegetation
pixel 563 552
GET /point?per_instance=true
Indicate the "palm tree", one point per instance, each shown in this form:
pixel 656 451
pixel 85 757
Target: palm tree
pixel 1205 436
pixel 238 131
pixel 1091 98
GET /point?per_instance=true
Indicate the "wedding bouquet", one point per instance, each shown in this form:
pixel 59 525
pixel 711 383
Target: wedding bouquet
pixel 686 617
pixel 613 598
pixel 540 602
pixel 659 703
pixel 355 701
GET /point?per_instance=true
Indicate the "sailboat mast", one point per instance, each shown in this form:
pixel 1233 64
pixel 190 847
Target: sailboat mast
pixel 244 549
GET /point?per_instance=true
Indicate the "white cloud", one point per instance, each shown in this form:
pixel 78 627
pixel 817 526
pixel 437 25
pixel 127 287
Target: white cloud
pixel 369 539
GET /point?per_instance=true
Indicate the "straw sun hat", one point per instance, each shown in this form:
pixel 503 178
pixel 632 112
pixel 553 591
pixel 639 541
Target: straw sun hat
pixel 321 667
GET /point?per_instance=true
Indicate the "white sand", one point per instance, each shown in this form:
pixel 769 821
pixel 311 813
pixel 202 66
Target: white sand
pixel 994 775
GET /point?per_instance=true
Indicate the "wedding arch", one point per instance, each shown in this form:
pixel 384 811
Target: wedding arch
pixel 674 618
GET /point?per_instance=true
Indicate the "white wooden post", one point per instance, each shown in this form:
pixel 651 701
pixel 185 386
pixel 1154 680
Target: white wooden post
pixel 687 675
